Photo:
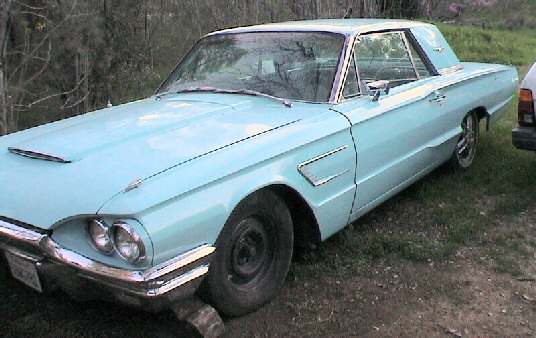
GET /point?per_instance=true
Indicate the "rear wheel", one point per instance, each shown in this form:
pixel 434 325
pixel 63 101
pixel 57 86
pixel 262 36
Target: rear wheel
pixel 465 151
pixel 253 254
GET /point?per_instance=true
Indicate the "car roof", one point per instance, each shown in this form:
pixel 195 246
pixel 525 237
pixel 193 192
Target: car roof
pixel 341 26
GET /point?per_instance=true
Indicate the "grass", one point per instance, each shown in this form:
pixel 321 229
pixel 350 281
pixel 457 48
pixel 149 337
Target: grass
pixel 449 209
pixel 514 48
pixel 442 213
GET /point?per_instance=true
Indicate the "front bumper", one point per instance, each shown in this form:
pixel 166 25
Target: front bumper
pixel 153 289
pixel 524 138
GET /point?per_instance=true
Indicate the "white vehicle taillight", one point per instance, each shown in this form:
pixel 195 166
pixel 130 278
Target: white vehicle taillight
pixel 525 110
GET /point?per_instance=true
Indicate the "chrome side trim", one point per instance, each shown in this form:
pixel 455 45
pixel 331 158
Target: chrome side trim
pixel 450 70
pixel 311 178
pixel 318 182
pixel 322 156
pixel 161 276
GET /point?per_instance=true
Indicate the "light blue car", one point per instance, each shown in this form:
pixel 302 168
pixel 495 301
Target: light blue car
pixel 262 140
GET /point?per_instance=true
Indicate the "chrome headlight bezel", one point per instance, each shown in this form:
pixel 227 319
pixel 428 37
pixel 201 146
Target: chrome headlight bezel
pixel 102 230
pixel 133 240
pixel 120 239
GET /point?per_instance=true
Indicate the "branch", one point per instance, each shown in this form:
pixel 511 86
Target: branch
pixel 46 37
pixel 42 16
pixel 35 8
pixel 65 106
pixel 60 94
pixel 40 71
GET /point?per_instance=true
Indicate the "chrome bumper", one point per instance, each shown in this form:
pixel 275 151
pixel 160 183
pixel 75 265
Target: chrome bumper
pixel 153 288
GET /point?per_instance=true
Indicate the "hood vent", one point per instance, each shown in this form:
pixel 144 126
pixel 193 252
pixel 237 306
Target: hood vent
pixel 38 155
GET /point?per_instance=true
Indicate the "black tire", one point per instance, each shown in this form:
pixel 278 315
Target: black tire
pixel 252 257
pixel 465 150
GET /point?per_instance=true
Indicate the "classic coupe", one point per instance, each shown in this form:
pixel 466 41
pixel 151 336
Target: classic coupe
pixel 262 140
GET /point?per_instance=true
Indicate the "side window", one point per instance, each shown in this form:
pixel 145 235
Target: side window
pixel 388 56
pixel 351 87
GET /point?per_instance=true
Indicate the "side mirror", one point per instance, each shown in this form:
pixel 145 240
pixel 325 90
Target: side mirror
pixel 376 87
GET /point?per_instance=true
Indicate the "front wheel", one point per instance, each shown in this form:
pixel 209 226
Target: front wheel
pixel 465 151
pixel 253 254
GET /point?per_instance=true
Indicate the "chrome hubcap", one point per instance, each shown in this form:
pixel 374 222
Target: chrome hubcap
pixel 466 146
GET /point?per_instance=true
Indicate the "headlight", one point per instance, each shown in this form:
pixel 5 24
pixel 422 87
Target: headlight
pixel 128 243
pixel 99 236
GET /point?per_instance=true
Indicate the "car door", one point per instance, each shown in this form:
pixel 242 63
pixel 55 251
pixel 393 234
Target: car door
pixel 395 133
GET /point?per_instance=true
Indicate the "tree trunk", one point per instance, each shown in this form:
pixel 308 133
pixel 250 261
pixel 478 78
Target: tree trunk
pixel 5 106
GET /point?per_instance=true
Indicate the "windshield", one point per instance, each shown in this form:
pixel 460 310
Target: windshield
pixel 288 65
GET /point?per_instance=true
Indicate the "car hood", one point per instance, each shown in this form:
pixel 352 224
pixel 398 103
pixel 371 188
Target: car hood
pixel 74 166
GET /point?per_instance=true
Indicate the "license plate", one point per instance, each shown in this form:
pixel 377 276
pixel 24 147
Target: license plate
pixel 24 271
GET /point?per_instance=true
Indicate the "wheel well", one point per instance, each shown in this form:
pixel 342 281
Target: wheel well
pixel 482 113
pixel 306 230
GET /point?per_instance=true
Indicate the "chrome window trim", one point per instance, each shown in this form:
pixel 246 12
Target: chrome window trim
pixel 411 59
pixel 336 83
pixel 342 71
pixel 408 39
pixel 352 63
pixel 402 34
pixel 420 51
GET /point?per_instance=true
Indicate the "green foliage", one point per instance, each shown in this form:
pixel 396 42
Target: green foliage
pixel 494 46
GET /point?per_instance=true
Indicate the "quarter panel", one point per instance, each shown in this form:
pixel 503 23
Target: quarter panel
pixel 478 85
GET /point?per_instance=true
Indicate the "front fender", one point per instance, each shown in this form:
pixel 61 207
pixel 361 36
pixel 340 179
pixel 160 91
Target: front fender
pixel 188 205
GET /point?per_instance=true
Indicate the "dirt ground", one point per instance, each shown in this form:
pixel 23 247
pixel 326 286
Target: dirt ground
pixel 463 297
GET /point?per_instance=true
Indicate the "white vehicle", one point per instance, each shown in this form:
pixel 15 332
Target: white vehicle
pixel 524 136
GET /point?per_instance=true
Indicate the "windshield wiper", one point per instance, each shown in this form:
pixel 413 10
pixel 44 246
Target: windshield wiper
pixel 227 91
